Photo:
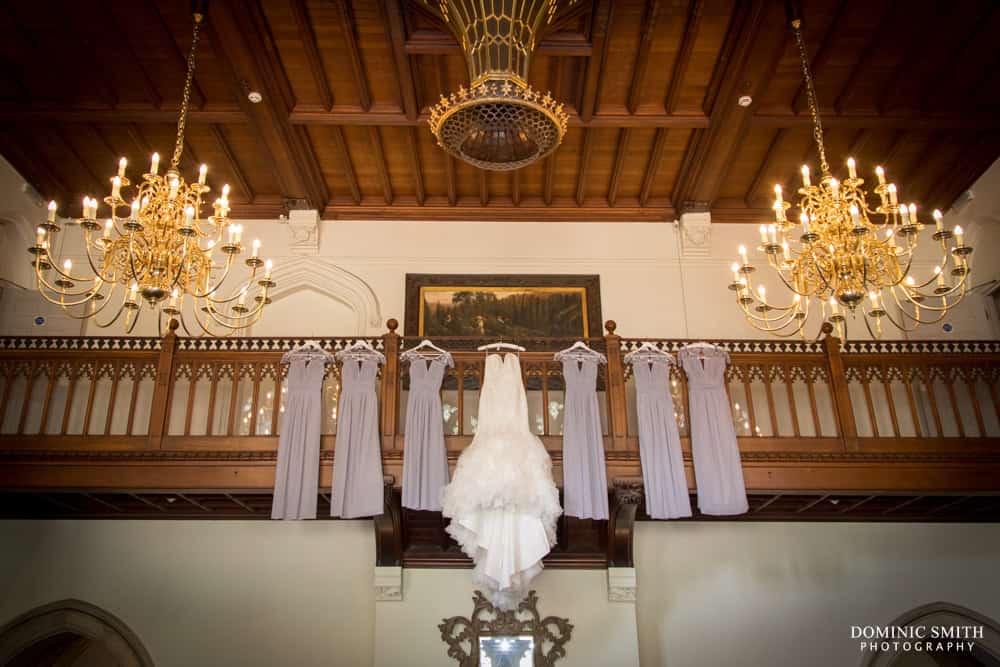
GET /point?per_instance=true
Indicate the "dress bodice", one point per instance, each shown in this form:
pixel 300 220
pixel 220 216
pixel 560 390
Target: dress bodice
pixel 581 374
pixel 358 374
pixel 426 375
pixel 651 378
pixel 705 369
pixel 305 378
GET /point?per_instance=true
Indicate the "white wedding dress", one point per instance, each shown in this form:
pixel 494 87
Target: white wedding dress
pixel 502 501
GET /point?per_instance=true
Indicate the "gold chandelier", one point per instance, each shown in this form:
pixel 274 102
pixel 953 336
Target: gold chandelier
pixel 840 257
pixel 499 123
pixel 157 249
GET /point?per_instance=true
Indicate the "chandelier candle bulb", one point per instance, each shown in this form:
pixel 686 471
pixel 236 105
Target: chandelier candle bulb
pixel 173 298
pixel 202 173
pixel 835 188
pixel 855 216
pixel 852 170
pixel 67 265
pixel 806 182
pixel 743 255
pixel 121 167
pixel 116 187
pixel 108 226
pixel 904 214
pixel 135 209
pixel 232 234
pixel 786 252
pixel 735 267
pixel 255 249
pixel 959 236
pixel 804 219
pixel 52 211
pixel 189 216
pixel 40 237
pixel 133 293
pixel 239 234
pixel 937 220
pixel 172 194
pixel 763 233
pixel 880 173
pixel 154 167
pixel 892 195
pixel 772 232
pixel 913 213
pixel 268 265
pixel 940 276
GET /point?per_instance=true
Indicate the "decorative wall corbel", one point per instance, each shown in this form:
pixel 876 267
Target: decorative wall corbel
pixel 388 580
pixel 627 495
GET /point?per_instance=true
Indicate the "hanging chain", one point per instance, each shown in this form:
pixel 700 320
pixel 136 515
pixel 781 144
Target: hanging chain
pixel 179 146
pixel 811 96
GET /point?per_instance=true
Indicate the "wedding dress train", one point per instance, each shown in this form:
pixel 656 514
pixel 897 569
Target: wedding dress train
pixel 502 501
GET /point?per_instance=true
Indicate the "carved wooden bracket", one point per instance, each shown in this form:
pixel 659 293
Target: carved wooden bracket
pixel 626 498
pixel 389 529
pixel 462 634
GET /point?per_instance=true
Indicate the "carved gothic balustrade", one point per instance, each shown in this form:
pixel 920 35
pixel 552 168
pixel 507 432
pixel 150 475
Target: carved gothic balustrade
pixel 183 413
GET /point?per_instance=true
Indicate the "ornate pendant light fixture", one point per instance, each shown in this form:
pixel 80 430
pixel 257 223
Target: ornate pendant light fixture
pixel 157 249
pixel 840 257
pixel 499 123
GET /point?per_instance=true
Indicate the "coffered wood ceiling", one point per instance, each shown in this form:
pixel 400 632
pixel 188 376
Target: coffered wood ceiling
pixel 651 87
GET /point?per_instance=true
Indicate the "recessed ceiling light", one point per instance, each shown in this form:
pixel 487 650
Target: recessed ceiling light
pixel 255 97
pixel 745 100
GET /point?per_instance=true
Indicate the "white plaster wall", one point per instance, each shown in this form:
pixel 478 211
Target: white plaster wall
pixel 764 594
pixel 206 592
pixel 604 633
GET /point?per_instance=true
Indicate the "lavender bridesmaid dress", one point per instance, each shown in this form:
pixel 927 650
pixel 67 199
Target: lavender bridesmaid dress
pixel 296 480
pixel 425 461
pixel 718 471
pixel 585 480
pixel 357 461
pixel 659 442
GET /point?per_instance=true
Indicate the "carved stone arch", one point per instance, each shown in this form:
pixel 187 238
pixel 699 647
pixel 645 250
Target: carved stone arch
pixel 986 651
pixel 331 280
pixel 86 626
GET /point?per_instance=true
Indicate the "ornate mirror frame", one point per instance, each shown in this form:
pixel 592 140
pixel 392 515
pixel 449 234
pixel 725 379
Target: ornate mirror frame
pixel 462 634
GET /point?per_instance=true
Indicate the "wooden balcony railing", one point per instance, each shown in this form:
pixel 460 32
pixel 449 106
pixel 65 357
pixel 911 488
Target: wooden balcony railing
pixel 181 413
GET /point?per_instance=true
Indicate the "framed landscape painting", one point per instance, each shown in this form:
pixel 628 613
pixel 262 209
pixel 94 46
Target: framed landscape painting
pixel 507 306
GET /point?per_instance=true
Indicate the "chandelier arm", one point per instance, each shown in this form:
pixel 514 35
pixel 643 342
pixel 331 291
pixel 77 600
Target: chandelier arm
pixel 917 322
pixel 55 289
pixel 758 318
pixel 255 313
pixel 207 295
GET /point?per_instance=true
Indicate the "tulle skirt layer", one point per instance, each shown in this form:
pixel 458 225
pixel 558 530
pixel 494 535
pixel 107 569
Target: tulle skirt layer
pixel 504 506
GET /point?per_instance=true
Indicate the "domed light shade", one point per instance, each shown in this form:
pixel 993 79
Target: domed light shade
pixel 499 123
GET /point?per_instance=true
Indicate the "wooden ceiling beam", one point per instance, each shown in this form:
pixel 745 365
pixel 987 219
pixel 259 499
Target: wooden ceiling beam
pixel 396 32
pixel 864 61
pixel 449 168
pixel 36 170
pixel 375 136
pixel 248 55
pixel 616 171
pixel 581 175
pixel 428 43
pixel 357 116
pixel 755 41
pixel 642 54
pixel 550 178
pixel 913 67
pixel 683 59
pixel 180 58
pixel 821 57
pixel 900 121
pixel 354 53
pixel 234 164
pixel 21 113
pixel 653 165
pixel 96 181
pixel 340 145
pixel 765 165
pixel 307 38
pixel 599 24
pixel 501 210
pixel 413 150
pixel 947 65
pixel 148 86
